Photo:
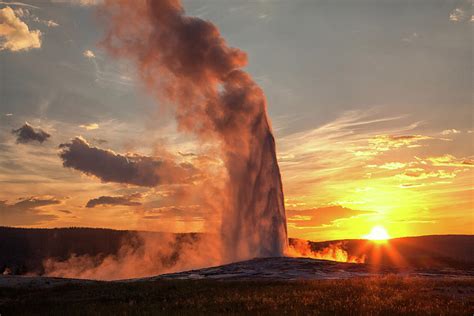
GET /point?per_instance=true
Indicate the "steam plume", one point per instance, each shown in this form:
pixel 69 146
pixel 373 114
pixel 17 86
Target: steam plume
pixel 334 252
pixel 184 61
pixel 140 255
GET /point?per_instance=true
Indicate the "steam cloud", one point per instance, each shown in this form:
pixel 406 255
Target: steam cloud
pixel 140 255
pixel 184 61
pixel 132 169
pixel 27 133
pixel 334 252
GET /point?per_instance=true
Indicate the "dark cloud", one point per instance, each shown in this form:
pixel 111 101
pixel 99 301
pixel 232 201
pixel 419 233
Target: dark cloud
pixel 26 211
pixel 130 169
pixel 152 217
pixel 27 133
pixel 187 154
pixel 115 200
pixel 318 217
pixel 100 141
pixel 181 213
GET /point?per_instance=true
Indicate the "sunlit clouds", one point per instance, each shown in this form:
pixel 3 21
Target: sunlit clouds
pixel 90 126
pixel 451 161
pixel 27 14
pixel 450 131
pixel 462 12
pixel 15 35
pixel 390 174
pixel 83 3
pixel 457 15
pixel 371 108
pixel 88 54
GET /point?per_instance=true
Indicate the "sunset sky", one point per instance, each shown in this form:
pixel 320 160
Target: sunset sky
pixel 370 103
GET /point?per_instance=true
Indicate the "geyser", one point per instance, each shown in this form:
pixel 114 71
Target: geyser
pixel 184 61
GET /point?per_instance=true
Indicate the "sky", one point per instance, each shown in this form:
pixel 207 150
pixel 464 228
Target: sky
pixel 370 103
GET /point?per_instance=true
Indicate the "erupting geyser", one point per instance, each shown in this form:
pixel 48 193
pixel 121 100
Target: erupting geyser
pixel 184 61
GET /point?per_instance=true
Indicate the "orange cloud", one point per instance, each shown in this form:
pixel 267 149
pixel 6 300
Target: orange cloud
pixel 15 34
pixel 451 161
pixel 27 211
pixel 382 143
pixel 128 200
pixel 392 165
pixel 90 126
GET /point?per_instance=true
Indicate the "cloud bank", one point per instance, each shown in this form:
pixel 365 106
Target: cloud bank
pixel 127 200
pixel 127 169
pixel 26 211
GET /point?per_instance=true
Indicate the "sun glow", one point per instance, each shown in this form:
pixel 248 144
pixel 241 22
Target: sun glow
pixel 378 233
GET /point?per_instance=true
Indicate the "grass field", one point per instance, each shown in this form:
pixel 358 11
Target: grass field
pixel 369 296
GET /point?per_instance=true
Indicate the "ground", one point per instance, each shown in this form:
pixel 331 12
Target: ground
pixel 383 295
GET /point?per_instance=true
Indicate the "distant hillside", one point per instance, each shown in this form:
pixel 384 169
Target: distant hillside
pixel 437 251
pixel 23 251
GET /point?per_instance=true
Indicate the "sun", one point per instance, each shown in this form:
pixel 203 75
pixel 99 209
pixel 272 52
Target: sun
pixel 378 233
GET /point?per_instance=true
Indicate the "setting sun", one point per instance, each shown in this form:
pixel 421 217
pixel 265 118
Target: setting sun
pixel 378 233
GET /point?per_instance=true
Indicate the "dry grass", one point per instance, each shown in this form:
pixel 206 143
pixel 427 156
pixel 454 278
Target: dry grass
pixel 359 296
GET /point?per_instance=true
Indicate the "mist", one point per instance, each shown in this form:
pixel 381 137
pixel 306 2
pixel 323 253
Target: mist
pixel 186 64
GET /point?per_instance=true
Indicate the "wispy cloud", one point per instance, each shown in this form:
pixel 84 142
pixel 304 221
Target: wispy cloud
pixel 22 4
pixel 111 73
pixel 90 126
pixel 349 141
pixel 27 211
pixel 83 3
pixel 48 23
pixel 457 15
pixel 451 161
pixel 127 200
pixel 28 15
pixel 450 131
pixel 383 165
pixel 392 165
pixel 411 38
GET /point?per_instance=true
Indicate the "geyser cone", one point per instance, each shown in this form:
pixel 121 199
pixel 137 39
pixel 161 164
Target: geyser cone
pixel 184 61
